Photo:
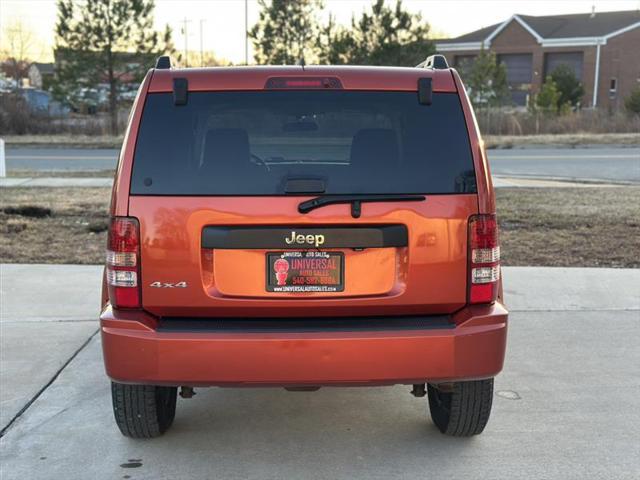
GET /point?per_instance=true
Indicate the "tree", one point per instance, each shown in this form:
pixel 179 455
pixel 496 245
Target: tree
pixel 18 40
pixel 200 59
pixel 487 81
pixel 105 41
pixel 632 102
pixel 570 88
pixel 286 31
pixel 385 36
pixel 548 99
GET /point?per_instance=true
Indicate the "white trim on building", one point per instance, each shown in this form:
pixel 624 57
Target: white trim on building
pixel 545 42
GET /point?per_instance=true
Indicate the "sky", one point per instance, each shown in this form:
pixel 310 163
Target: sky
pixel 222 22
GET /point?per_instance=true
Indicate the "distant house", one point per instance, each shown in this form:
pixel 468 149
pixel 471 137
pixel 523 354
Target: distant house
pixel 16 70
pixel 603 49
pixel 41 74
pixel 130 67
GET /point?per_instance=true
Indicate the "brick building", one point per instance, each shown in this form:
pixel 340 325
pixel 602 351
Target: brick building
pixel 602 48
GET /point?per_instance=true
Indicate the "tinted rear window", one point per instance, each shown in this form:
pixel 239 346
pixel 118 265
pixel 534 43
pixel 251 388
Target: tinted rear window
pixel 262 143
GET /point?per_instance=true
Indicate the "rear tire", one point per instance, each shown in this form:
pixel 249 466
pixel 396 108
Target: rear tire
pixel 143 411
pixel 463 411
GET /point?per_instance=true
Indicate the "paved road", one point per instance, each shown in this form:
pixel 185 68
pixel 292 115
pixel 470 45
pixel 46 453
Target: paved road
pixel 607 163
pixel 79 159
pixel 610 164
pixel 567 405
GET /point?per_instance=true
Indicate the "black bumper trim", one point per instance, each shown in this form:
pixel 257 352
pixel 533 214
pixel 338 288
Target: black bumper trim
pixel 304 325
pixel 275 237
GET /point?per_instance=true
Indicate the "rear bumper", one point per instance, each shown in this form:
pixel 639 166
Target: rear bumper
pixel 136 351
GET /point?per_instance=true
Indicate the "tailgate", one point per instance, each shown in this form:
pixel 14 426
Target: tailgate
pixel 213 256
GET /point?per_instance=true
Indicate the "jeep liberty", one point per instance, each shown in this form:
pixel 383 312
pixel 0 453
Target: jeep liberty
pixel 302 227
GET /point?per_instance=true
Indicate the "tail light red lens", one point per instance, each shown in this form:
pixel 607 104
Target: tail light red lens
pixel 123 266
pixel 484 259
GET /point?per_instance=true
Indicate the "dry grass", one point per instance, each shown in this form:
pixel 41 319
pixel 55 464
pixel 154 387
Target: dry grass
pixel 567 140
pixel 73 233
pixel 510 121
pixel 573 227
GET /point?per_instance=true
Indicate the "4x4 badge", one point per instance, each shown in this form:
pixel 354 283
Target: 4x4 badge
pixel 168 285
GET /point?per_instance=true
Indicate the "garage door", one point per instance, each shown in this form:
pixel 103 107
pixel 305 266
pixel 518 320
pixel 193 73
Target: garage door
pixel 519 67
pixel 572 59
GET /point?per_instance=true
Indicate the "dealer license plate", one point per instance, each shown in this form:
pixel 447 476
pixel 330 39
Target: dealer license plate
pixel 305 271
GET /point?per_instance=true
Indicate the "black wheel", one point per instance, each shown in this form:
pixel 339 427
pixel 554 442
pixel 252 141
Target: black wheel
pixel 462 410
pixel 143 411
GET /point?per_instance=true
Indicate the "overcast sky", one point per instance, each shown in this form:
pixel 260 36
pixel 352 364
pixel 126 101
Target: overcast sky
pixel 223 21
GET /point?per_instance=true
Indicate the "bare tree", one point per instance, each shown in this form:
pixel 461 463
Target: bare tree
pixel 18 40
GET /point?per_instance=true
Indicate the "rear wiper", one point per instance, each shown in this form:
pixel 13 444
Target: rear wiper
pixel 356 201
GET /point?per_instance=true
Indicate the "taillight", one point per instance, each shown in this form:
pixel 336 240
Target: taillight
pixel 123 262
pixel 484 259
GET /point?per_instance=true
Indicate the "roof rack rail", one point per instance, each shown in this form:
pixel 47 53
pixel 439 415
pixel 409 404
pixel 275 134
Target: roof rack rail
pixel 437 62
pixel 163 62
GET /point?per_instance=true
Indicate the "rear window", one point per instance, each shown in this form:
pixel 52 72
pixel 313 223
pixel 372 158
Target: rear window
pixel 278 142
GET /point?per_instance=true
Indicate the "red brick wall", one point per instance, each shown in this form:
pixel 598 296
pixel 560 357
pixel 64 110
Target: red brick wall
pixel 620 58
pixel 513 38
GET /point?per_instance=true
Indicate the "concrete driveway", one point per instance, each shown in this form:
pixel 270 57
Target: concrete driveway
pixel 567 405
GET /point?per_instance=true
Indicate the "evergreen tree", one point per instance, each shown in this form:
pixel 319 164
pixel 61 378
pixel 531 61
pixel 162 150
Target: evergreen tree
pixel 287 31
pixel 487 81
pixel 570 88
pixel 104 41
pixel 384 36
pixel 548 100
pixel 632 102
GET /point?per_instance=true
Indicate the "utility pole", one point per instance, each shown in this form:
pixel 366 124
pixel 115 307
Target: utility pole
pixel 201 47
pixel 186 36
pixel 246 32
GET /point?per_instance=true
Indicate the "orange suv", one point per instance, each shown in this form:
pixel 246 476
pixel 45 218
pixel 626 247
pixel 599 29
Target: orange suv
pixel 302 227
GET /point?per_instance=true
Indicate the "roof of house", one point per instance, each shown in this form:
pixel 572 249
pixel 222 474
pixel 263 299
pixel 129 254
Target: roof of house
pixel 475 36
pixel 552 29
pixel 582 25
pixel 44 67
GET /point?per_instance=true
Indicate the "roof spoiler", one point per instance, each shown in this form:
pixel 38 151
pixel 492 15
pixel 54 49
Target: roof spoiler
pixel 437 62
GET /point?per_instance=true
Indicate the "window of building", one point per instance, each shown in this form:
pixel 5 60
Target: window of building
pixel 613 85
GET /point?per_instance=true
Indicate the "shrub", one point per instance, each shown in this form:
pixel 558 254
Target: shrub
pixel 570 88
pixel 500 121
pixel 486 80
pixel 632 102
pixel 32 211
pixel 548 100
